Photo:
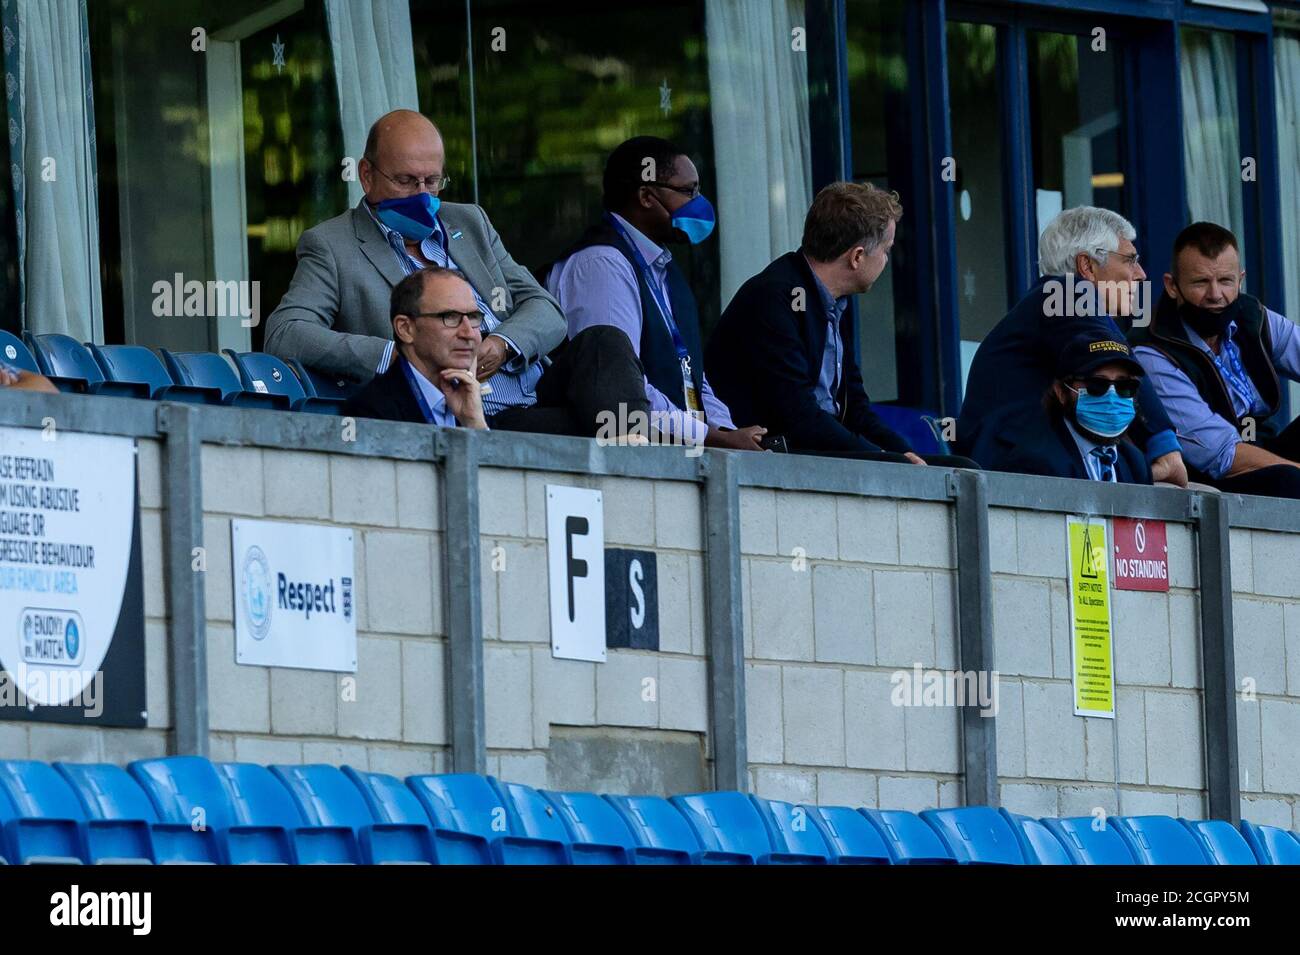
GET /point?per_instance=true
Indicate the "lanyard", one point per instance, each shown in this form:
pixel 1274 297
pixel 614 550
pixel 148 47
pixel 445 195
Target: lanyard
pixel 682 353
pixel 1235 373
pixel 419 392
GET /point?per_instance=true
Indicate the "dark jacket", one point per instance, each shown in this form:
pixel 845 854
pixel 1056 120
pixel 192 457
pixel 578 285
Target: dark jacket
pixel 1167 335
pixel 766 355
pixel 387 396
pixel 1016 364
pixel 656 350
pixel 1045 446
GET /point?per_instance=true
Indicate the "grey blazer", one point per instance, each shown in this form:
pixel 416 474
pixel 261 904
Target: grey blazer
pixel 334 317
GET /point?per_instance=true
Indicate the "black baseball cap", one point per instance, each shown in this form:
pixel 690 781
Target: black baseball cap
pixel 1086 353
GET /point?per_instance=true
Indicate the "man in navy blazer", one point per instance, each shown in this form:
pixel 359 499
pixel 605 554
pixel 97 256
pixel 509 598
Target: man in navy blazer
pixel 782 354
pixel 1090 270
pixel 1087 416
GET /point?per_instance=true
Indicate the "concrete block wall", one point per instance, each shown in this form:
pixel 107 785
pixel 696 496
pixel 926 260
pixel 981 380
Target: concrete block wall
pixel 1052 763
pixel 841 593
pixel 390 716
pixel 636 698
pixel 1266 619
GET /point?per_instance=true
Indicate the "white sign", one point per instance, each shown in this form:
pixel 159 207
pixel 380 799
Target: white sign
pixel 67 507
pixel 295 605
pixel 575 557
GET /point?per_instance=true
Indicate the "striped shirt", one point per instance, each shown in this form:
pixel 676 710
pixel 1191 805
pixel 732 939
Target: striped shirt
pixel 515 383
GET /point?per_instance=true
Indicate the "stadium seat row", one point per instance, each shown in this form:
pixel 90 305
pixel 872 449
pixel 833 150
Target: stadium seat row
pixel 185 809
pixel 257 380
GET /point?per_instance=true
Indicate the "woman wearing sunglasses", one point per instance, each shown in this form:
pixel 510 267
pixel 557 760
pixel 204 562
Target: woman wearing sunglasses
pixel 1087 414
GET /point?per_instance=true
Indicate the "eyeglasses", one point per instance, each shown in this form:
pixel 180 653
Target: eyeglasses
pixel 433 183
pixel 453 319
pixel 1131 258
pixel 1098 386
pixel 690 192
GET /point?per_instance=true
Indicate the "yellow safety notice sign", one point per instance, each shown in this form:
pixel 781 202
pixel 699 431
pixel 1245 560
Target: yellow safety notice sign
pixel 1090 632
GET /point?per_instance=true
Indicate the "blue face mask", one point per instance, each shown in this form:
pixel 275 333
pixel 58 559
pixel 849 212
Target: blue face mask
pixel 696 219
pixel 413 217
pixel 1107 417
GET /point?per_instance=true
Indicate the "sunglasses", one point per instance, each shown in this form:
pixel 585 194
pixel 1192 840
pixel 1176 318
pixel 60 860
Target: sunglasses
pixel 1097 386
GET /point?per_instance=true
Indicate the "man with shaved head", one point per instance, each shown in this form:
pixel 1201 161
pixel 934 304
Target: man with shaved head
pixel 335 316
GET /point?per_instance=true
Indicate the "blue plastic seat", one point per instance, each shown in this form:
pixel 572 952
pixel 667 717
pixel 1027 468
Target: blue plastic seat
pixel 598 834
pixel 909 840
pixel 1221 842
pixel 70 365
pixel 1038 844
pixel 533 815
pixel 729 822
pixel 138 366
pixel 473 825
pixel 326 797
pixel 1090 842
pixel 912 425
pixel 109 795
pixel 850 838
pixel 976 835
pixel 259 798
pixel 1159 840
pixel 40 818
pixel 1271 845
pixel 316 384
pixel 658 826
pixel 266 374
pixel 211 371
pixel 14 352
pixel 791 831
pixel 189 790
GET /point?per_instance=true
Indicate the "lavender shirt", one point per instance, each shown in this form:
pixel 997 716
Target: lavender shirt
pixel 598 286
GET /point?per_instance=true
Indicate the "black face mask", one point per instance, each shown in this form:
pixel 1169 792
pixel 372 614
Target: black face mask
pixel 1207 323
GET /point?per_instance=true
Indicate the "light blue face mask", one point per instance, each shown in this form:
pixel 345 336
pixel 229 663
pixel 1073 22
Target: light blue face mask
pixel 696 219
pixel 1107 416
pixel 413 217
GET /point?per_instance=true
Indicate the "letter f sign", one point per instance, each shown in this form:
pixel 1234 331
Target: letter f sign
pixel 573 526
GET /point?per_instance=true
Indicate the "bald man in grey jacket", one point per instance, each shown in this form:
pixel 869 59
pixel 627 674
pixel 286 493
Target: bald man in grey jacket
pixel 335 316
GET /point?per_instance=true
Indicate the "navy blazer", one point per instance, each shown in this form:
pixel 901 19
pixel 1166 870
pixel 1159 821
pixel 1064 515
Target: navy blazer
pixel 765 357
pixel 1016 364
pixel 387 396
pixel 1045 446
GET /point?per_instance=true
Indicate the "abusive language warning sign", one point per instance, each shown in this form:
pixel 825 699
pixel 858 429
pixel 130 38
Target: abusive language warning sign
pixel 1141 554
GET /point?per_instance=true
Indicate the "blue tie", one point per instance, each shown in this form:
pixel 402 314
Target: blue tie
pixel 1107 455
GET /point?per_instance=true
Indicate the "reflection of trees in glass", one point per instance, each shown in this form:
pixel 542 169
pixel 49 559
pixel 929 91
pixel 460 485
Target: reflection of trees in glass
pixel 569 87
pixel 292 144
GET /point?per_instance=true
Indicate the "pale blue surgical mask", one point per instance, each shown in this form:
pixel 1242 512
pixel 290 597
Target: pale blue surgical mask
pixel 1107 416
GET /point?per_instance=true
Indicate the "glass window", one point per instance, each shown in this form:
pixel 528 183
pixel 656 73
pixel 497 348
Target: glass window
pixel 1286 73
pixel 566 89
pixel 976 123
pixel 1211 145
pixel 881 141
pixel 10 315
pixel 292 145
pixel 1076 121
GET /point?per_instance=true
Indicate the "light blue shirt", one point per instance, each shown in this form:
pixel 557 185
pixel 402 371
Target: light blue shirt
pixel 1091 462
pixel 515 383
pixel 597 286
pixel 828 380
pixel 436 400
pixel 1210 441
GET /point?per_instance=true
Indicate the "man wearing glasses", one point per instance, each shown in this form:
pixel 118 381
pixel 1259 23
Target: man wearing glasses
pixel 434 376
pixel 335 316
pixel 1089 276
pixel 1090 409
